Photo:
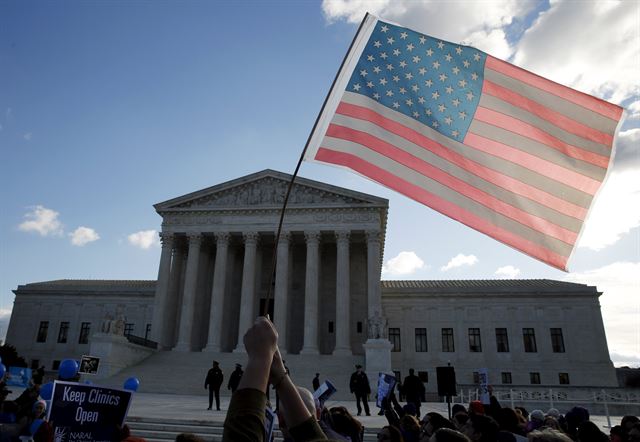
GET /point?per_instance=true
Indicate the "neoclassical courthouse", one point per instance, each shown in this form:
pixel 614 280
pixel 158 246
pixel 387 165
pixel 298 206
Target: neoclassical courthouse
pixel 329 305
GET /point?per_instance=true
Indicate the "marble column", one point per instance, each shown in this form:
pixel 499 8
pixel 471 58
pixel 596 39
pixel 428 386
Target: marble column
pixel 173 305
pixel 374 299
pixel 162 291
pixel 343 298
pixel 247 293
pixel 281 292
pixel 214 340
pixel 190 285
pixel 310 345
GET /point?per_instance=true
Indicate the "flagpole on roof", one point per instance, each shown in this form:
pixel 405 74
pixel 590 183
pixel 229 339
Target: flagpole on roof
pixel 265 309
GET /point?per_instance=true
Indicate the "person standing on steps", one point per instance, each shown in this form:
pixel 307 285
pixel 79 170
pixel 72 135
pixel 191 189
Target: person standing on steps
pixel 234 379
pixel 316 382
pixel 359 385
pixel 213 382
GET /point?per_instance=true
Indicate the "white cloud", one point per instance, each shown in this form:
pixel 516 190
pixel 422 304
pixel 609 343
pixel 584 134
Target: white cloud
pixel 627 155
pixel 591 46
pixel 615 213
pixel 507 272
pixel 405 263
pixel 460 260
pixel 42 220
pixel 83 235
pixel 620 304
pixel 633 110
pixel 144 239
pixel 480 24
pixel 5 315
pixel 28 136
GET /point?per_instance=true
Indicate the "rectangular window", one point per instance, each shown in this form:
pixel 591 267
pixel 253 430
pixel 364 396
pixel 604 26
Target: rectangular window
pixel 475 345
pixel 557 341
pixel 85 329
pixel 529 337
pixel 394 337
pixel 506 377
pixel 563 378
pixel 63 332
pixel 424 376
pixel 447 340
pixel 502 340
pixel 43 329
pixel 128 328
pixel 147 331
pixel 330 326
pixel 359 327
pixel 55 365
pixel 534 378
pixel 476 377
pixel 421 340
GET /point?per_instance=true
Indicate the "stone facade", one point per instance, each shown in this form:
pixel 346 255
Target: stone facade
pixel 214 274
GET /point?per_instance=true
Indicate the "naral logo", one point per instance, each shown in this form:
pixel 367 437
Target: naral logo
pixel 60 434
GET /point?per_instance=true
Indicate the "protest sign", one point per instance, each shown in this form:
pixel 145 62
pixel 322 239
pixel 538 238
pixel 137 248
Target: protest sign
pixel 18 377
pixel 483 381
pixel 89 365
pixel 386 382
pixel 87 413
pixel 324 392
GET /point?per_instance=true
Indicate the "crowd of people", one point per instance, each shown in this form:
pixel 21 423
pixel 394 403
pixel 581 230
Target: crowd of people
pixel 302 417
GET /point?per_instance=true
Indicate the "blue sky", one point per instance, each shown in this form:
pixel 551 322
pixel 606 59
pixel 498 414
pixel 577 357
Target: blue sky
pixel 108 108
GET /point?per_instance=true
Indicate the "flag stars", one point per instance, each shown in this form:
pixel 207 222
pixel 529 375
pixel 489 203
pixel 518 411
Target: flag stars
pixel 376 96
pixel 389 67
pixel 474 76
pixel 458 50
pixel 376 69
pixel 390 40
pixel 409 102
pixel 383 55
pixel 440 45
pixel 389 93
pixel 421 100
pixel 466 63
pixel 455 70
pixel 435 124
pixel 403 64
pixel 462 82
pixel 422 71
pixel 435 95
pixel 428 83
pixel 408 76
pixel 370 58
pixel 416 59
pixel 384 28
pixel 383 81
pixel 470 96
pixel 395 78
pixel 436 64
pixel 422 39
pixel 455 102
pixel 402 90
pixel 449 89
pixel 428 112
pixel 415 88
pixel 476 56
pixel 462 115
pixel 356 87
pixel 396 105
pixel 404 35
pixel 377 44
pixel 369 84
pixel 442 108
pixel 443 77
pixel 416 114
pixel 410 47
pixel 448 120
pixel 396 52
pixel 364 73
pixel 448 57
pixel 429 52
pixel 455 133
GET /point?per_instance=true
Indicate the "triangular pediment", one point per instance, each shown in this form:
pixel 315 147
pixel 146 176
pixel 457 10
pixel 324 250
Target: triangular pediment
pixel 267 189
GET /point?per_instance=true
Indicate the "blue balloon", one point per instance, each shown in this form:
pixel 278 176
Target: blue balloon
pixel 46 391
pixel 3 369
pixel 131 384
pixel 68 369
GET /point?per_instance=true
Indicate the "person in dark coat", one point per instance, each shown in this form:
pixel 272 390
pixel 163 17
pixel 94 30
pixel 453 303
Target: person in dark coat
pixel 235 377
pixel 213 382
pixel 413 390
pixel 359 385
pixel 316 382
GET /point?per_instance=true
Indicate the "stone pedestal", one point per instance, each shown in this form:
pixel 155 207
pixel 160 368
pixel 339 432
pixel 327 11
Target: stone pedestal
pixel 116 353
pixel 377 360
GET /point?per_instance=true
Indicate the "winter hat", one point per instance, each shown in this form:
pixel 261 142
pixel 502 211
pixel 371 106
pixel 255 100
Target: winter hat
pixel 536 415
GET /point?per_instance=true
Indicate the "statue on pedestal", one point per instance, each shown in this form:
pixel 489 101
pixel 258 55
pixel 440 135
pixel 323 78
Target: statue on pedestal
pixel 377 326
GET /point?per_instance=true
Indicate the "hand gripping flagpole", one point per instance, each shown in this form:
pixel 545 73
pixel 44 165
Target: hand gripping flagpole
pixel 265 309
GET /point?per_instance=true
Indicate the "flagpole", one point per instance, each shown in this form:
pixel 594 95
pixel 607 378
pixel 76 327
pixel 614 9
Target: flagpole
pixel 265 310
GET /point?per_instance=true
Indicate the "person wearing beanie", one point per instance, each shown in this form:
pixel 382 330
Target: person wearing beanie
pixel 35 424
pixel 554 413
pixel 536 420
pixel 476 407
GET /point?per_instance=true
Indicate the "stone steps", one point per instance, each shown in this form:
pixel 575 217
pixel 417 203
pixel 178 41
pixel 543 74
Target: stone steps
pixel 173 372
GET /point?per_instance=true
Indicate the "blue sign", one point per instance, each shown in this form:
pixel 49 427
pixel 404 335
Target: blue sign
pixel 18 377
pixel 87 413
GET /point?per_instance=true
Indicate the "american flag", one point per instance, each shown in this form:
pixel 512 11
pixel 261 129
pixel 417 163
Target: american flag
pixel 500 149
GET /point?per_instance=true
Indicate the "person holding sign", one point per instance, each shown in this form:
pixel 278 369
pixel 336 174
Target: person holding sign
pixel 35 424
